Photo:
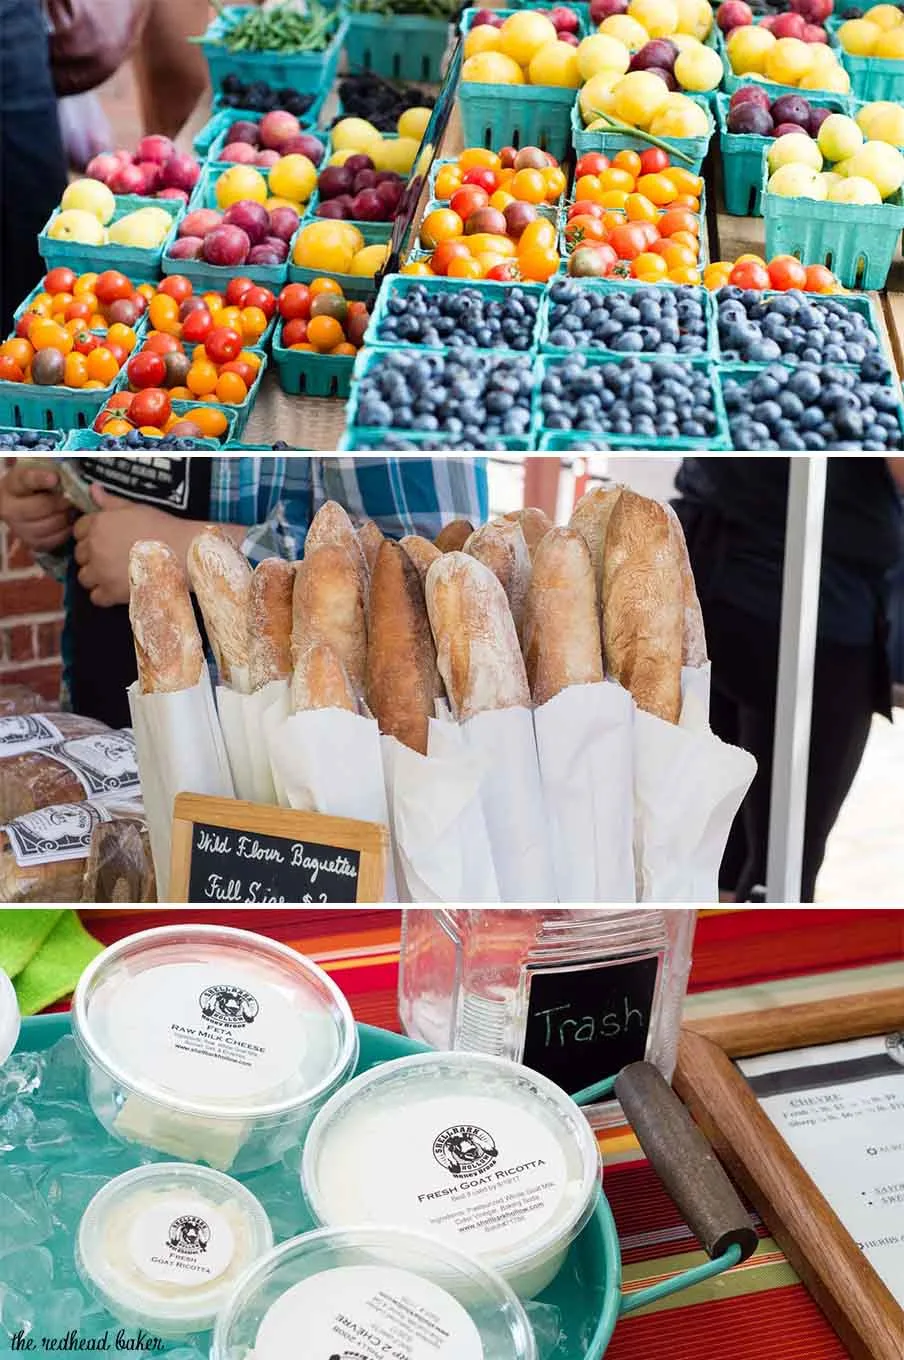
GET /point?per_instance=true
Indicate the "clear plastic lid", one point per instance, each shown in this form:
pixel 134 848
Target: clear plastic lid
pixel 9 1017
pixel 484 1153
pixel 163 1246
pixel 367 1293
pixel 216 1022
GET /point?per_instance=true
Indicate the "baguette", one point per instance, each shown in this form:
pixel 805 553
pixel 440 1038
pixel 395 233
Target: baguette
pixel 590 518
pixel 167 642
pixel 501 546
pixel 328 606
pixel 319 680
pixel 332 526
pixel 643 605
pixel 371 540
pixel 403 682
pixel 453 537
pixel 421 552
pixel 478 653
pixel 694 652
pixel 561 622
pixel 220 576
pixel 270 622
pixel 535 524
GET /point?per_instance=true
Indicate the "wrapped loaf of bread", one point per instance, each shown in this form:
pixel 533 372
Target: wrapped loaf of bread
pixel 220 576
pixel 403 682
pixel 269 622
pixel 561 625
pixel 320 680
pixel 643 605
pixel 168 645
pixel 120 867
pixel 20 699
pixel 87 760
pixel 501 546
pixel 331 527
pixel 478 653
pixel 329 606
pixel 454 536
pixel 50 855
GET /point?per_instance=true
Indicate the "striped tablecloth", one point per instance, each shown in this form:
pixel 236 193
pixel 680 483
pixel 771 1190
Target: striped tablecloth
pixel 742 959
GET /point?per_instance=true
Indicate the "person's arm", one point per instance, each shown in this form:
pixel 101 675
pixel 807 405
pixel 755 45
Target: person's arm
pixel 896 468
pixel 36 514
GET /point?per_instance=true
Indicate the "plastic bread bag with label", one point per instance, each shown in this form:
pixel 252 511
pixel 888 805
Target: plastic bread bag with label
pixel 94 762
pixel 19 699
pixel 62 853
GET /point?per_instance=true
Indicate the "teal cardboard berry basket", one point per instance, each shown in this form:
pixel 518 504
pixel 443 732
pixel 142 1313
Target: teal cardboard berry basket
pixel 306 72
pixel 89 440
pixel 565 247
pixel 629 287
pixel 399 285
pixel 58 436
pixel 359 439
pixel 742 155
pixel 689 152
pixel 302 373
pixel 589 1290
pixel 29 406
pixel 522 115
pixel 397 46
pixel 861 303
pixel 585 26
pixel 138 264
pixel 238 415
pixel 139 328
pixel 731 82
pixel 224 115
pixel 872 78
pixel 356 287
pixel 857 241
pixel 214 277
pixel 746 375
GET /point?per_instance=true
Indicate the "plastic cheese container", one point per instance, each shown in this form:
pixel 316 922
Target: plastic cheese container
pixel 370 1293
pixel 488 1156
pixel 211 1044
pixel 9 1017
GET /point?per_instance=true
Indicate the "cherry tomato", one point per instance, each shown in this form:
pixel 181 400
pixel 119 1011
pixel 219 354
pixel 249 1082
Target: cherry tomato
pixel 158 343
pixel 630 239
pixel 539 263
pixel 236 290
pixel 84 342
pixel 222 344
pixel 146 369
pixel 295 332
pixel 628 160
pixel 197 326
pixel 294 302
pixel 482 177
pixel 60 280
pixel 10 370
pixel 176 286
pixel 585 208
pixel 468 199
pixel 750 274
pixel 111 285
pixel 262 298
pixel 581 229
pixel 593 163
pixel 504 273
pixel 446 252
pixel 653 161
pixel 244 371
pixel 786 271
pixel 820 279
pixel 151 406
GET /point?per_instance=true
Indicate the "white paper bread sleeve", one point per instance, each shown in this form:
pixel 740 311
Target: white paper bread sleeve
pixel 688 787
pixel 586 750
pixel 180 750
pixel 440 839
pixel 242 722
pixel 329 760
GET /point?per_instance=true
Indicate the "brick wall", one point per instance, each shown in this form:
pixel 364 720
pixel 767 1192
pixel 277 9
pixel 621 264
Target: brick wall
pixel 31 619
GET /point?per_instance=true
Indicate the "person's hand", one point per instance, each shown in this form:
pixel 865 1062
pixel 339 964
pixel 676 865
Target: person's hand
pixel 32 508
pixel 103 541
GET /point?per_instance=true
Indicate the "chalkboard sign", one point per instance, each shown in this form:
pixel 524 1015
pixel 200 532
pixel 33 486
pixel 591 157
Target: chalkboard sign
pixel 587 1023
pixel 228 852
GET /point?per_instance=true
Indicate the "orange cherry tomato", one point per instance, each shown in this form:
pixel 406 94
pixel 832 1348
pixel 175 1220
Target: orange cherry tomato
pixel 588 187
pixel 47 334
pixel 463 267
pixel 118 334
pixel 102 366
pixel 584 228
pixel 10 371
pixel 556 183
pixel 629 239
pixel 820 279
pixel 686 238
pixel 446 253
pixel 638 208
pixel 687 274
pixel 659 189
pixel 324 332
pixel 474 157
pixel 231 389
pixel 448 179
pixel 678 219
pixel 541 232
pixel 629 161
pixel 164 314
pixel 211 422
pixel 202 377
pixel 19 350
pixel 529 186
pixel 75 370
pixel 786 271
pixel 324 285
pixel 479 242
pixel 614 178
pixel 539 263
pixel 685 182
pixel 649 267
pixel 117 426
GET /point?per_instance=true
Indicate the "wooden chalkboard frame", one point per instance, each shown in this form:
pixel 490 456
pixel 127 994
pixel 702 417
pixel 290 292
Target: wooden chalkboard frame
pixel 370 839
pixel 853 1298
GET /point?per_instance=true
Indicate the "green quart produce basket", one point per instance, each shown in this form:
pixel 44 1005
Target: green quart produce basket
pixel 565 247
pixel 857 241
pixel 731 82
pixel 494 116
pixel 743 376
pixel 742 155
pixel 872 78
pixel 302 372
pixel 139 328
pixel 354 286
pixel 224 115
pixel 588 1291
pixel 139 265
pixel 571 441
pixel 87 440
pixel 30 407
pixel 58 437
pixel 629 286
pixel 306 72
pixel 397 46
pixel 694 149
pixel 861 303
pixel 399 285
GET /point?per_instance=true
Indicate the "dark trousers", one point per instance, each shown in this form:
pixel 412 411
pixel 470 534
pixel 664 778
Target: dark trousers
pixel 32 161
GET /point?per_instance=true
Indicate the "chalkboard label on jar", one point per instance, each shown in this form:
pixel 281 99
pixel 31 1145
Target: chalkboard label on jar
pixel 586 1024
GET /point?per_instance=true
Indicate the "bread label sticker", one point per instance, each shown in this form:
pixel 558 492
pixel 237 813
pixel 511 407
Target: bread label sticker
pixel 182 1240
pixel 105 764
pixel 368 1313
pixel 55 833
pixel 23 732
pixel 207 1032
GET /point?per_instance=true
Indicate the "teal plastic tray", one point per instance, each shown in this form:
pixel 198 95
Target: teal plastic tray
pixel 399 47
pixel 863 304
pixel 742 155
pixel 699 370
pixel 30 407
pixel 301 372
pixel 588 1291
pixel 710 350
pixel 400 284
pixel 872 78
pixel 141 266
pixel 306 72
pixel 608 143
pixel 856 241
pixel 214 277
pixel 517 115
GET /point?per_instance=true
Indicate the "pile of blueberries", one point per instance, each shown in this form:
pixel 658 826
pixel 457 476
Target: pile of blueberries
pixel 12 441
pixel 798 328
pixel 646 320
pixel 259 97
pixel 651 398
pixel 463 318
pixel 136 440
pixel 395 443
pixel 380 102
pixel 812 408
pixel 481 398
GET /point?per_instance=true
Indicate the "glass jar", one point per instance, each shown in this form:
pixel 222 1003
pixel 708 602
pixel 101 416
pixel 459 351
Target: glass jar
pixel 576 994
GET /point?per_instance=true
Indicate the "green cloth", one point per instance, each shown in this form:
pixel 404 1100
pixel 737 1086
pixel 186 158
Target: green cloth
pixel 45 953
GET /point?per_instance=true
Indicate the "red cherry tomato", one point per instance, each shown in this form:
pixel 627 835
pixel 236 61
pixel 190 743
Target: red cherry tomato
pixel 820 279
pixel 176 286
pixel 151 406
pixel 585 229
pixel 468 199
pixel 260 297
pixel 630 239
pixel 146 369
pixel 84 342
pixel 749 274
pixel 593 163
pixel 197 326
pixel 482 177
pixel 294 301
pixel 585 208
pixel 236 290
pixel 653 161
pixel 60 280
pixel 110 286
pixel 10 370
pixel 786 271
pixel 222 343
pixel 295 332
pixel 506 272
